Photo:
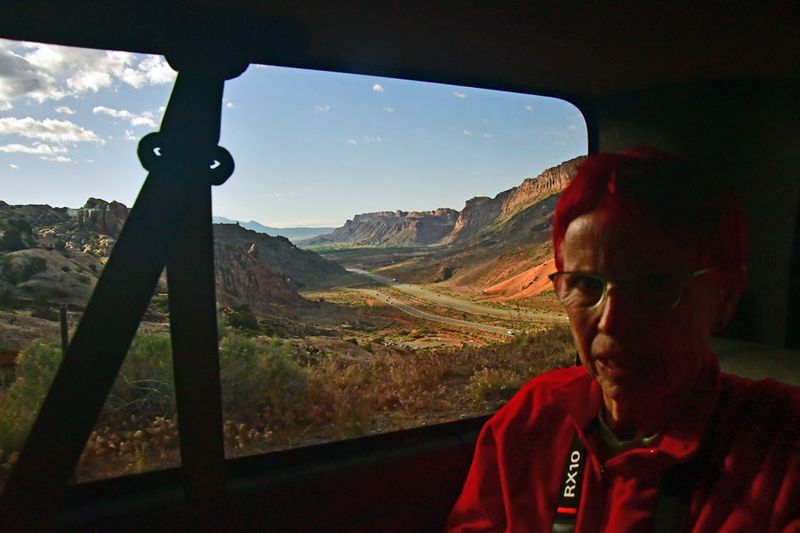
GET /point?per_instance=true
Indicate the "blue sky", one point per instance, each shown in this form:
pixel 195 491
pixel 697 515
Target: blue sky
pixel 311 148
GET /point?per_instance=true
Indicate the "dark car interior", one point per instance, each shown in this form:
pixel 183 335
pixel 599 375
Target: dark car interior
pixel 715 82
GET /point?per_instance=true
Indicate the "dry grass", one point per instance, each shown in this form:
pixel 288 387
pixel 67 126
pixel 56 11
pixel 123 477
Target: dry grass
pixel 278 395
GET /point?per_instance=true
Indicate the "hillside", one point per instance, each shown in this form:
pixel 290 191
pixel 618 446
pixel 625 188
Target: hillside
pixel 54 255
pixel 301 269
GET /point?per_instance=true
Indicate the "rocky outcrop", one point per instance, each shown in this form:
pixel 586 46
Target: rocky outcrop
pixel 393 228
pixel 102 217
pixel 478 213
pixel 482 212
pixel 299 268
pixel 552 181
pixel 241 279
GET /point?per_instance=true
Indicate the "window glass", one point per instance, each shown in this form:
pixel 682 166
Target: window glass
pixel 382 253
pixel 69 122
pixel 381 249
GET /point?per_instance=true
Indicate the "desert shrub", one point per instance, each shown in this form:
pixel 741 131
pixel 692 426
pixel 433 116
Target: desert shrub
pixel 261 377
pixel 12 240
pixel 238 359
pixel 59 245
pixel 145 387
pixel 83 278
pixel 22 225
pixel 494 385
pixel 36 366
pixel 242 317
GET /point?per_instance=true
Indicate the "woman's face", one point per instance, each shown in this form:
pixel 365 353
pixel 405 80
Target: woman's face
pixel 640 355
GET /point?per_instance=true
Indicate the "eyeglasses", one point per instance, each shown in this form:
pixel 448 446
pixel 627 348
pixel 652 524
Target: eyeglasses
pixel 658 290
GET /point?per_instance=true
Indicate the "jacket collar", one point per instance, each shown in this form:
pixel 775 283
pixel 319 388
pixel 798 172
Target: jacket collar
pixel 581 399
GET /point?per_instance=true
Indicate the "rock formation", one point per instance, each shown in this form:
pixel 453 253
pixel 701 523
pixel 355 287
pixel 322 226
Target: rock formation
pixel 393 228
pixel 241 279
pixel 102 217
pixel 482 212
pixel 299 268
pixel 447 226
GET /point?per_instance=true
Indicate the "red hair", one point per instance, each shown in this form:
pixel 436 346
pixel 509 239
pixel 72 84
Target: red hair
pixel 685 200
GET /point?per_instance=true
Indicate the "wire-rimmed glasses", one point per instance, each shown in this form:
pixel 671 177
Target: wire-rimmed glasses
pixel 659 290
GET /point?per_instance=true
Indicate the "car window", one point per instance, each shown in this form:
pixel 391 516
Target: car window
pixel 381 250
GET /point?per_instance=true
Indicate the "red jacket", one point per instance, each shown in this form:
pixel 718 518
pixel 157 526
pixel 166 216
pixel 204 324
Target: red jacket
pixel 750 481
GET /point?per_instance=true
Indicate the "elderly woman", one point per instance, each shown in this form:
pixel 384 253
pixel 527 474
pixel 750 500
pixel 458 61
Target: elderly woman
pixel 647 434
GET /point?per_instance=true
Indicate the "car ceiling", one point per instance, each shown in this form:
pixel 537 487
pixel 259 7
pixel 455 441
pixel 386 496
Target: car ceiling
pixel 577 50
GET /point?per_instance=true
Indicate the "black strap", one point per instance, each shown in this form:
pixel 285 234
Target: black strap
pixel 675 497
pixel 672 506
pixel 569 495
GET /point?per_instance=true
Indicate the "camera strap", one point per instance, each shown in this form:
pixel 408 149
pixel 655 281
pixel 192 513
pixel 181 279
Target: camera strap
pixel 672 506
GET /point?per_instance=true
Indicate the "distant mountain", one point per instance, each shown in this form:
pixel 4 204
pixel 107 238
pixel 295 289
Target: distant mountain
pixel 448 226
pixel 393 228
pixel 293 234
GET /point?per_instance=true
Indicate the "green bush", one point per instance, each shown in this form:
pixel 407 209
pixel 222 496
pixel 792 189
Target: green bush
pixel 36 366
pixel 242 317
pixel 12 240
pixel 145 385
pixel 22 225
pixel 260 377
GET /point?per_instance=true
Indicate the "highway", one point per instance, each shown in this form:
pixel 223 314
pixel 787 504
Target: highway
pixel 394 302
pixel 464 306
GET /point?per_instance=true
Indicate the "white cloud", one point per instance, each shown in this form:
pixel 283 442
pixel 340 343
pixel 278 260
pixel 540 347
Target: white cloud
pixel 528 108
pixel 229 105
pixel 65 110
pixel 57 159
pixel 322 108
pixel 372 139
pixel 48 72
pixel 145 119
pixel 467 132
pixel 130 136
pixel 35 149
pixel 152 70
pixel 12 165
pixel 5 106
pixel 459 94
pixel 389 109
pixel 352 141
pixel 50 130
pixel 90 160
pixel 378 88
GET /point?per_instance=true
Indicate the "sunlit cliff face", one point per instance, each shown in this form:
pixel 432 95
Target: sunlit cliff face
pixel 643 358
